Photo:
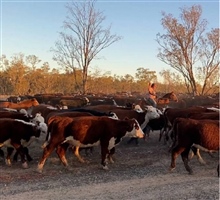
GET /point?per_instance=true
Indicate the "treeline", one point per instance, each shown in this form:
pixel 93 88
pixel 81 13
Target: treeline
pixel 25 76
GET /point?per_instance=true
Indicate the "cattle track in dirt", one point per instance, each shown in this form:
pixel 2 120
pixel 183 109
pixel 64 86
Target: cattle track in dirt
pixel 139 172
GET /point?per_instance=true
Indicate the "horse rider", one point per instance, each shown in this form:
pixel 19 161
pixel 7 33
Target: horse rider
pixel 151 96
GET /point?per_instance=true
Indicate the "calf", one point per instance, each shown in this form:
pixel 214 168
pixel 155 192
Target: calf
pixel 88 131
pixel 18 133
pixel 25 117
pixel 203 134
pixel 155 125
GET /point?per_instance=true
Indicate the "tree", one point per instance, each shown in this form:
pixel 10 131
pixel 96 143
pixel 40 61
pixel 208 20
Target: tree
pixel 146 75
pixel 187 48
pixel 83 40
pixel 171 82
pixel 33 60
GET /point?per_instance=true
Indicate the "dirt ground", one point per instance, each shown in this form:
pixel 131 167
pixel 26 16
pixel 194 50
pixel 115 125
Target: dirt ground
pixel 139 172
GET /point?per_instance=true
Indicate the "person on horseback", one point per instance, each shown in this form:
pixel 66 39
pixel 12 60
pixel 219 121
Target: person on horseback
pixel 151 96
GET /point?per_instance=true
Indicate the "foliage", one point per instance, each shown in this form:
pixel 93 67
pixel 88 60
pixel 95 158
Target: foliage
pixel 190 50
pixel 17 77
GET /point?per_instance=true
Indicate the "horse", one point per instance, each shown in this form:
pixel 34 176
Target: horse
pixel 25 104
pixel 167 98
pixel 161 102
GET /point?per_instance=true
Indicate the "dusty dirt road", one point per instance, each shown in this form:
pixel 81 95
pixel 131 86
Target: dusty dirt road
pixel 139 172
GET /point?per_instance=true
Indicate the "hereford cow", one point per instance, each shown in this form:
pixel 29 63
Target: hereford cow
pixel 141 116
pixel 17 134
pixel 76 113
pixel 203 134
pixel 88 131
pixel 171 114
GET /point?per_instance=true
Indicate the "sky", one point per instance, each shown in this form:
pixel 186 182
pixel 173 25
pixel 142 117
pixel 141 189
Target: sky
pixel 32 27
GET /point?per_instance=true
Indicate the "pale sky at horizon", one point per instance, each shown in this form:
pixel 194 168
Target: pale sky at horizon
pixel 31 27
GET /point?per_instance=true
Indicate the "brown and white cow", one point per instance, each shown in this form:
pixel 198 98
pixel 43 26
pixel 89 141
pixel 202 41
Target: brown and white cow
pixel 143 117
pixel 88 131
pixel 171 114
pixel 203 134
pixel 55 116
pixel 17 134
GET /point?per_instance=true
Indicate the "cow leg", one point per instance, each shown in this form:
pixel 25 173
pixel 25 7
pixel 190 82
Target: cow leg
pixel 185 159
pixel 110 155
pixel 146 131
pixel 27 154
pixel 15 157
pixel 76 153
pixel 166 135
pixel 104 153
pixel 195 151
pixel 47 151
pixel 61 151
pixel 2 155
pixel 8 157
pixel 21 152
pixel 175 152
pixel 161 134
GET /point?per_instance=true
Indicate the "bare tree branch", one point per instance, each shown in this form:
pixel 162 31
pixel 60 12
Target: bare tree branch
pixel 84 38
pixel 186 48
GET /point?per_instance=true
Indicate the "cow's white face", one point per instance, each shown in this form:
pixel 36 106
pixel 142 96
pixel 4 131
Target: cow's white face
pixel 152 113
pixel 37 119
pixel 136 131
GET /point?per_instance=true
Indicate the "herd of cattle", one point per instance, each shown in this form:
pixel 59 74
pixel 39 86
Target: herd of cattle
pixel 85 122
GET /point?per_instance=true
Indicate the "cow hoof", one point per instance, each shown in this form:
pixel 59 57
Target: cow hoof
pixel 111 160
pixel 171 169
pixel 82 161
pixel 105 167
pixel 202 162
pixel 8 163
pixel 25 165
pixel 44 144
pixel 39 170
